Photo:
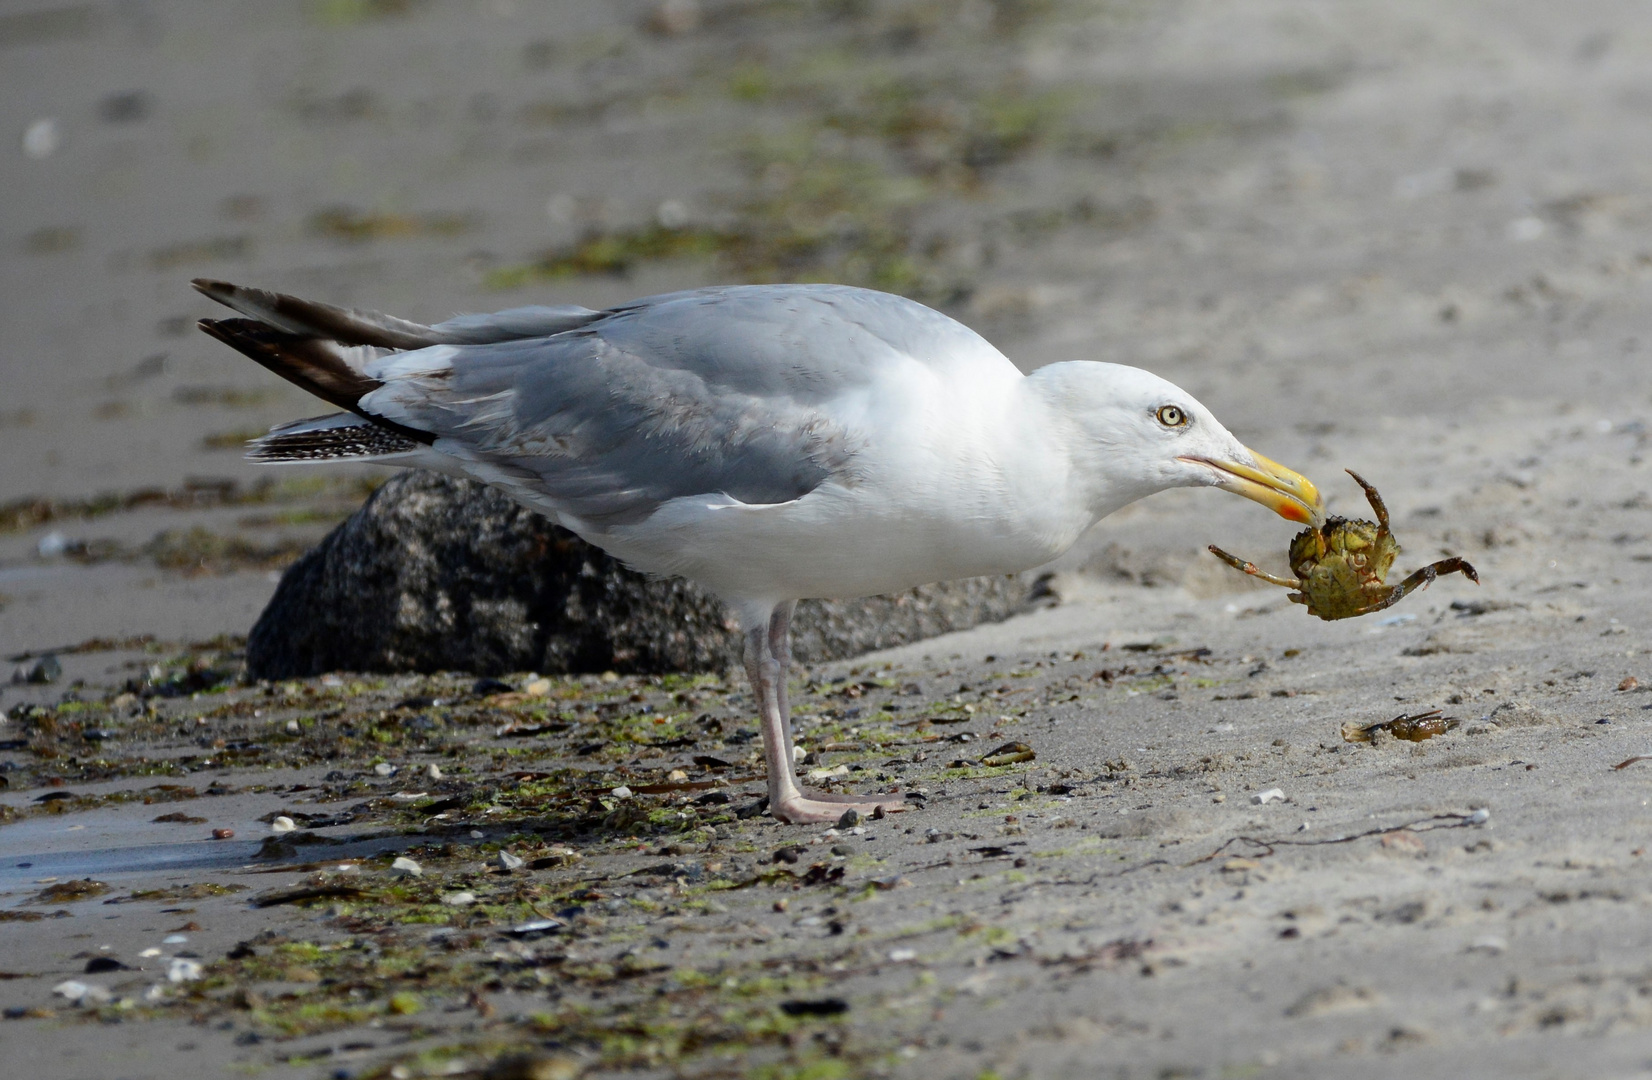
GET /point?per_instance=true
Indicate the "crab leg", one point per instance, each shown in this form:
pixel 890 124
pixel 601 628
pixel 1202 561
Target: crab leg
pixel 1252 569
pixel 1421 579
pixel 1376 504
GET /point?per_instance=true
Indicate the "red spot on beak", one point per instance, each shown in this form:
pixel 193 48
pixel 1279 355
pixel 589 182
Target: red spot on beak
pixel 1294 512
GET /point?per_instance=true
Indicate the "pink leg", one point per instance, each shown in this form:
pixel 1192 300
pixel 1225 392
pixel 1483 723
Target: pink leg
pixel 780 647
pixel 789 801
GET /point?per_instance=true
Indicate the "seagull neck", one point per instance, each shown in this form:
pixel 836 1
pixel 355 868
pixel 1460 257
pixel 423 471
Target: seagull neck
pixel 1099 472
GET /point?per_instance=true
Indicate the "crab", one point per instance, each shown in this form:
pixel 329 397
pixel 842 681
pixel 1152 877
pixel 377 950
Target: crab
pixel 1341 566
pixel 1413 728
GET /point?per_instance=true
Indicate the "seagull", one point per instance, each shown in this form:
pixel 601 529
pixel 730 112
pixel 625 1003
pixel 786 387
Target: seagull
pixel 770 442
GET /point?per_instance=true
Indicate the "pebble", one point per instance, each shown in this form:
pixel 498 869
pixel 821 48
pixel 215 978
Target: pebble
pixel 433 771
pixel 537 688
pixel 1630 683
pixel 901 956
pixel 1479 817
pixel 51 545
pixel 405 867
pixel 621 792
pixel 507 861
pixel 81 993
pixel 384 768
pixel 150 953
pixel 459 899
pixel 42 138
pixel 675 17
pixel 294 728
pixel 283 824
pixel 1491 944
pixel 223 834
pixel 181 970
pixel 1263 798
pixel 534 926
pixel 534 1067
pixel 175 939
pixel 42 671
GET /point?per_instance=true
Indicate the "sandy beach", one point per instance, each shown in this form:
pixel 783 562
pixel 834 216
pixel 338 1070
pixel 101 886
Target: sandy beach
pixel 1410 239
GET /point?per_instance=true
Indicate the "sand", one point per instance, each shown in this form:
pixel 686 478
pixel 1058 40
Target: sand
pixel 1411 239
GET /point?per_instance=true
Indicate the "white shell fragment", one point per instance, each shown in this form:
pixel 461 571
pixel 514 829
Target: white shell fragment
pixel 621 792
pixel 80 993
pixel 507 861
pixel 1263 798
pixel 181 970
pixel 42 138
pixel 405 867
pixel 459 899
pixel 283 824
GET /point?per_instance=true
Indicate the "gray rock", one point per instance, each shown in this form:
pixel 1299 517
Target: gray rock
pixel 45 670
pixel 438 574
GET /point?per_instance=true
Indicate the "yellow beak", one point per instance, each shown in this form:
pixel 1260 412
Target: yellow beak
pixel 1289 494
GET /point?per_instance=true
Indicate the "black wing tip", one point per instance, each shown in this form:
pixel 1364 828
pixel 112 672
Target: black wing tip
pixel 232 331
pixel 213 289
pixel 367 440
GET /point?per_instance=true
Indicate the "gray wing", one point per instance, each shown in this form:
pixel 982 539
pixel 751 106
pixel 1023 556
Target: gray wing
pixel 731 391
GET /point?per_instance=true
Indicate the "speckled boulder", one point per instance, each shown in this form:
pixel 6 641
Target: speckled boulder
pixel 438 574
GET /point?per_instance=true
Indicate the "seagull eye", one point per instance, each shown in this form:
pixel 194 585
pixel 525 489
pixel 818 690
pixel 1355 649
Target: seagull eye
pixel 1171 416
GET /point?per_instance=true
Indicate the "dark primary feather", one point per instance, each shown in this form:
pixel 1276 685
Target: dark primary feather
pixel 303 340
pixel 352 326
pixel 311 363
pixel 360 439
pixel 308 318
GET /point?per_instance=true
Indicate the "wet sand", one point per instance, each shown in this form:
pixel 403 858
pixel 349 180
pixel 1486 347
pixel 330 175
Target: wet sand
pixel 1406 239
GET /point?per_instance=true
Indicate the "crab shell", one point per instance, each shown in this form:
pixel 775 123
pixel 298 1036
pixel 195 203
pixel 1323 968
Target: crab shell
pixel 1342 565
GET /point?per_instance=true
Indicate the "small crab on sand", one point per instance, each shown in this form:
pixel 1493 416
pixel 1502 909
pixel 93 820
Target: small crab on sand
pixel 1341 566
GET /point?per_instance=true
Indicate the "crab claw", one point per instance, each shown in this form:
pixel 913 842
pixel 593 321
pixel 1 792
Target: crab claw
pixel 1289 494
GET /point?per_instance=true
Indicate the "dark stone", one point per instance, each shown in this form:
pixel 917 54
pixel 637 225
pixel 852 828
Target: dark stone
pixel 438 574
pixel 820 1007
pixel 45 670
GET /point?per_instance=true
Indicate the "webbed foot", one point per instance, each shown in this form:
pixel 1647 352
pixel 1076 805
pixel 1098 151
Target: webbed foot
pixel 805 807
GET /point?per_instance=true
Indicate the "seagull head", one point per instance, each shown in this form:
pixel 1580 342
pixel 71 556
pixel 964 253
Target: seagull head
pixel 1149 435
